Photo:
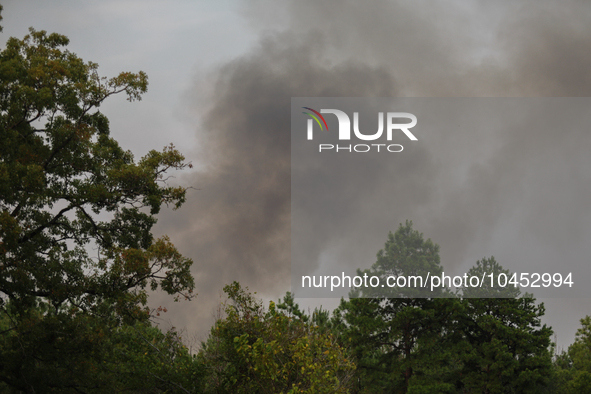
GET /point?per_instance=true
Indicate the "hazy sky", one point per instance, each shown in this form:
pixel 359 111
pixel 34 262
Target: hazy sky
pixel 221 77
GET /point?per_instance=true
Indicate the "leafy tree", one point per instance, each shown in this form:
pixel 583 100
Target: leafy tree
pixel 258 350
pixel 60 170
pixel 76 212
pixel 144 359
pixel 83 354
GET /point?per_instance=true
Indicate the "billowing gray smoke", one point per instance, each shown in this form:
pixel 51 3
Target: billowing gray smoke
pixel 513 192
pixel 236 226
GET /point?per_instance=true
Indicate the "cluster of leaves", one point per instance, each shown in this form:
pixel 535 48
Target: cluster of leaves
pixel 274 350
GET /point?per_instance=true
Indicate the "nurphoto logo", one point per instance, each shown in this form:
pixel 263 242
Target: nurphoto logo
pixel 345 130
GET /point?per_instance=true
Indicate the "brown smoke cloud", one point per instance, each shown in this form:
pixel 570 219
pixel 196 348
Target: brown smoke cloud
pixel 237 225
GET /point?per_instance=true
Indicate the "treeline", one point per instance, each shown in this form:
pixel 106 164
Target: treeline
pixel 395 345
pixel 367 345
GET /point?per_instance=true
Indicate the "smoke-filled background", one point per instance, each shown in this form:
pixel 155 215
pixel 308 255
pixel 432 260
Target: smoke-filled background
pixel 502 176
pixel 221 78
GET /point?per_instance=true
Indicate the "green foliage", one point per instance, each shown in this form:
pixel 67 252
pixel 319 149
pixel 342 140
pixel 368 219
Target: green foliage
pixel 560 374
pixel 319 317
pixel 83 353
pixel 58 178
pixel 580 350
pixel 254 350
pixel 507 348
pixel 67 188
pixel 146 360
pixel 486 267
pixel 406 254
pixel 402 344
pixel 574 368
pixel 442 345
pixel 76 212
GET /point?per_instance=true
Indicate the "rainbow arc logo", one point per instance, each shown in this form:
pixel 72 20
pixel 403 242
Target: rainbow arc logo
pixel 315 118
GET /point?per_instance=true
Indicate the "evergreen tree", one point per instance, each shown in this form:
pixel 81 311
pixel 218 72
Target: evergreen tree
pixel 508 349
pixel 406 344
pixel 402 343
pixel 580 354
